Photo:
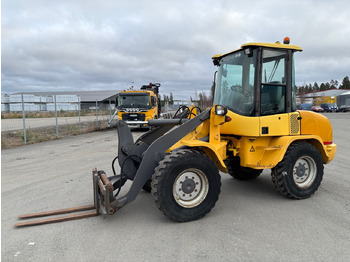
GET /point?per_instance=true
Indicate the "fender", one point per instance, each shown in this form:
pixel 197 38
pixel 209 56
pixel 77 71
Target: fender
pixel 267 152
pixel 216 152
pixel 207 138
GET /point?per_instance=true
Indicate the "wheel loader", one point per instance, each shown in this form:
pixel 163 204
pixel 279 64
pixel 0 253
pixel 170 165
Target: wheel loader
pixel 253 125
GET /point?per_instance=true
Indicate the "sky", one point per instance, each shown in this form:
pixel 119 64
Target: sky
pixel 112 45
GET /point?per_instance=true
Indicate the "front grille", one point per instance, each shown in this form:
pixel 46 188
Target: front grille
pixel 133 117
pixel 294 123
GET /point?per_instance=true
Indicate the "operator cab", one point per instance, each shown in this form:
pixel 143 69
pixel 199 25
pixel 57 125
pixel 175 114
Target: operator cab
pixel 257 79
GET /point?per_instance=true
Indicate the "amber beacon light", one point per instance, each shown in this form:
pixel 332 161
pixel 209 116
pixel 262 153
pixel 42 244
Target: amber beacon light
pixel 286 40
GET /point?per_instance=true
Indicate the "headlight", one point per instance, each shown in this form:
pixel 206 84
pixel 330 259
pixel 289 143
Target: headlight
pixel 220 110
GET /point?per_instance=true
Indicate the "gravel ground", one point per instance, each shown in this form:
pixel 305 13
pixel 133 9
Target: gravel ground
pixel 250 222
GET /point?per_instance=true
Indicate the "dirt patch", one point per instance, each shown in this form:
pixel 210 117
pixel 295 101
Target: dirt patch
pixel 11 139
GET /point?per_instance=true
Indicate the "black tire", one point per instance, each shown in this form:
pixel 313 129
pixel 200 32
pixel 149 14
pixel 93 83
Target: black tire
pixel 239 172
pixel 186 185
pixel 300 173
pixel 147 186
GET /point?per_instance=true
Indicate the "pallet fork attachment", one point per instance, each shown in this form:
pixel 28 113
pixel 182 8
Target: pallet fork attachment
pixel 103 196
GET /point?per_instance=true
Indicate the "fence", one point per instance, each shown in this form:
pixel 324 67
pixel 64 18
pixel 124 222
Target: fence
pixel 32 125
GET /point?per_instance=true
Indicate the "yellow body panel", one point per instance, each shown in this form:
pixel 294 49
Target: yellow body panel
pixel 215 148
pixel 275 125
pixel 283 129
pixel 330 153
pixel 216 152
pixel 258 150
pixel 317 124
pixel 280 124
pixel 267 152
pixel 150 114
pixel 241 125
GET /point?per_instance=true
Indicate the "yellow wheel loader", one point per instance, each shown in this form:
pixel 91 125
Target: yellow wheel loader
pixel 253 125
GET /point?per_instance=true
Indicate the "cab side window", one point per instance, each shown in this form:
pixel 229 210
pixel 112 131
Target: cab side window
pixel 273 82
pixel 153 101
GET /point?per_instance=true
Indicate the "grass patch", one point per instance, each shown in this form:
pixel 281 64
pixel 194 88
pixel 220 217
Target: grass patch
pixel 11 139
pixel 44 114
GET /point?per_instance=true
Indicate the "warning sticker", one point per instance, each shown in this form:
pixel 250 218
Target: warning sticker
pixel 252 149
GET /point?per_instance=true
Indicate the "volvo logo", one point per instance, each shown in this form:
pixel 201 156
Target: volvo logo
pixel 132 110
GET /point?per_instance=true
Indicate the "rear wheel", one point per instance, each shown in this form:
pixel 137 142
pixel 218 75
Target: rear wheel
pixel 186 185
pixel 239 172
pixel 300 173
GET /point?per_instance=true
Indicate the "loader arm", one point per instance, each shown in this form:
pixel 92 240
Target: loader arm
pixel 130 153
pixel 154 154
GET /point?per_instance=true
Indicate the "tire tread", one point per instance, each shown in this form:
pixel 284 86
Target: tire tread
pixel 158 175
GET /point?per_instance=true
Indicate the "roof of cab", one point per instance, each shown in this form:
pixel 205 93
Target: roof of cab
pixel 137 92
pixel 276 45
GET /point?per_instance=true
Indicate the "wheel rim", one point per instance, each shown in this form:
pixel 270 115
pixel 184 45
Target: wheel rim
pixel 304 172
pixel 190 188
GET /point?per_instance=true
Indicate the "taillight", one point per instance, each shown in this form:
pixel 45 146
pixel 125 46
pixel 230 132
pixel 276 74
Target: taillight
pixel 328 143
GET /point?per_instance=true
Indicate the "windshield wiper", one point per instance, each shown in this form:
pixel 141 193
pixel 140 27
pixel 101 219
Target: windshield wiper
pixel 274 69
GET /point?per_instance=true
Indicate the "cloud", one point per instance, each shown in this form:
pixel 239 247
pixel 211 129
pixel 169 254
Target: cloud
pixel 85 45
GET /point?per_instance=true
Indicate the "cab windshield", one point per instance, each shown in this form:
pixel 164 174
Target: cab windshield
pixel 134 100
pixel 235 82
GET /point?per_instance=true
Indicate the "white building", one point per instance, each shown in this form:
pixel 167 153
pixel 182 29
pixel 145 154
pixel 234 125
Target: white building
pixel 66 101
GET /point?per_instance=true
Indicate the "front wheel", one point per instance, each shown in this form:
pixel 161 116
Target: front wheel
pixel 300 173
pixel 186 185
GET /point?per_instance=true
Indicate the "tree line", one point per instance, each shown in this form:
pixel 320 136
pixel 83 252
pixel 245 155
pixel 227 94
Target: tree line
pixel 206 101
pixel 333 84
pixel 169 100
pixel 203 100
